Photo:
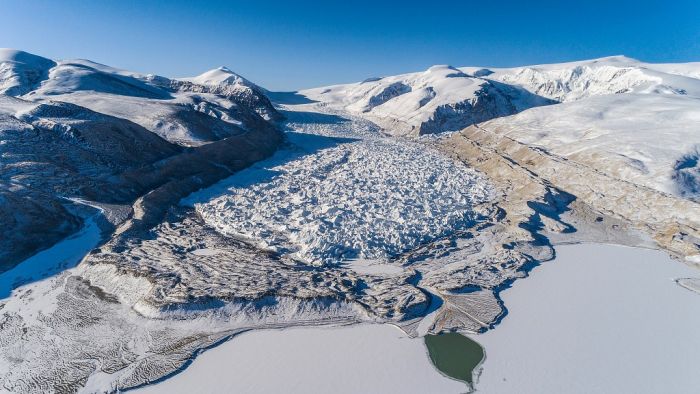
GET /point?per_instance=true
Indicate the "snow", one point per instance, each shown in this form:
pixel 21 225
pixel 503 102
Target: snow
pixel 599 318
pixel 610 75
pixel 373 267
pixel 46 263
pixel 219 76
pixel 331 198
pixel 357 359
pixel 205 252
pixel 20 71
pixel 639 138
pixel 409 102
pixel 80 75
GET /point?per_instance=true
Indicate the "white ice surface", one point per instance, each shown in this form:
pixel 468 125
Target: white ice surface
pixel 356 359
pixel 597 319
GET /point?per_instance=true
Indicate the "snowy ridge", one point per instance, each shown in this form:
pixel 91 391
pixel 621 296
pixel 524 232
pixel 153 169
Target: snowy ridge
pixel 612 75
pixel 442 98
pixel 191 112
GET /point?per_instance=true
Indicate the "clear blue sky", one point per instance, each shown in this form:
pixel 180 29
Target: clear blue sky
pixel 286 45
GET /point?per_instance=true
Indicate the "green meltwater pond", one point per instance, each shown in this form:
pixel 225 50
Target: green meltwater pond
pixel 454 355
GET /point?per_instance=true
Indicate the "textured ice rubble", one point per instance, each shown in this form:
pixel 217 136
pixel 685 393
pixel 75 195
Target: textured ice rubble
pixel 369 198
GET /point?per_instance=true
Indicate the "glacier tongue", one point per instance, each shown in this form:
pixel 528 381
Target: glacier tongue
pixel 360 196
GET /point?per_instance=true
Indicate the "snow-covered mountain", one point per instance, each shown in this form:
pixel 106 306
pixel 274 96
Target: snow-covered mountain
pixel 573 81
pixel 76 128
pixel 636 121
pixel 20 71
pixel 439 99
pixel 445 98
pixel 614 111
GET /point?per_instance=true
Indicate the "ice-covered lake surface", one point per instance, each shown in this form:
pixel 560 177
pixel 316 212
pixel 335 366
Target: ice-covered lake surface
pixel 354 359
pixel 598 319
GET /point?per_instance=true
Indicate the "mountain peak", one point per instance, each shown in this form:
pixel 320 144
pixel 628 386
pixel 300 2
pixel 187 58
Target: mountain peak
pixel 22 57
pixel 219 76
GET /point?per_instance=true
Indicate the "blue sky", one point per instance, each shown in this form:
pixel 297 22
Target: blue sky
pixel 296 44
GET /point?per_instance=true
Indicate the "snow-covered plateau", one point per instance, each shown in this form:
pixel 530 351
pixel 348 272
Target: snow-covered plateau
pixel 146 219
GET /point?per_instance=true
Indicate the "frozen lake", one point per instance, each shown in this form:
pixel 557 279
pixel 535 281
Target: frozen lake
pixel 598 319
pixel 354 359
